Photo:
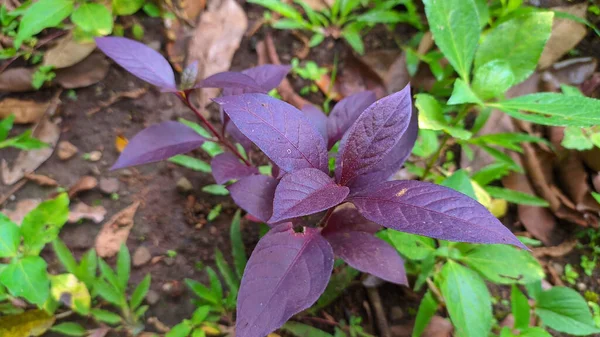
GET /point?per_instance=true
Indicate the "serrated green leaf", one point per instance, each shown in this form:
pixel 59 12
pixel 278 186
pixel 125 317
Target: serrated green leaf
pixel 462 93
pixel 41 15
pixel 140 292
pixel 508 140
pixel 69 329
pixel 493 79
pixel 564 309
pixel 105 316
pixel 42 225
pixel 504 264
pixel 10 237
pixel 427 310
pixel 93 18
pixel 411 246
pixel 126 7
pixel 237 245
pixel 519 305
pixel 27 278
pixel 516 196
pixel 431 117
pixel 455 28
pixel 123 267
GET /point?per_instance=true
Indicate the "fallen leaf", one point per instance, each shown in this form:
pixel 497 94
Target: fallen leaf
pixel 67 52
pixel 572 71
pixel 356 76
pixel 591 87
pixel 41 179
pixel 83 211
pixel 29 323
pixel 131 94
pixel 16 80
pixel 21 209
pixel 28 161
pixel 397 75
pixel 91 70
pixel 176 47
pixel 66 150
pixel 25 111
pixel 120 143
pixel 555 251
pixel 574 179
pixel 216 38
pixel 566 34
pixel 84 183
pixel 115 231
pixel 380 62
pixel 102 332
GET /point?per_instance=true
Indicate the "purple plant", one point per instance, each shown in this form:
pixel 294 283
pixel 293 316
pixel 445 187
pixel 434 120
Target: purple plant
pixel 291 265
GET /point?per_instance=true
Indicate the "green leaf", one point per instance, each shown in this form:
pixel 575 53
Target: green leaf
pixel 237 245
pixel 65 256
pixel 191 163
pixel 214 212
pixel 27 278
pixel 519 305
pixel 516 196
pixel 69 329
pixel 502 158
pixel 23 141
pixel 10 237
pixel 461 182
pixel 490 173
pixel 87 268
pixel 455 28
pixel 303 330
pixel 352 35
pixel 564 310
pixel 534 332
pixel 70 291
pixel 288 24
pixel 203 292
pixel 215 189
pixel 41 15
pixel 575 139
pixel 316 40
pixel 518 41
pixel 127 7
pixel 123 267
pixel 337 285
pixel 109 293
pixel 553 109
pixel 426 144
pixel 431 116
pixel 427 310
pixel 137 31
pixel 105 316
pixel 93 18
pixel 508 140
pixel 42 224
pixel 230 278
pixel 107 272
pixel 411 246
pixel 462 93
pixel 5 125
pixel 596 196
pixel 384 16
pixel 180 330
pixel 467 300
pixel 200 314
pixel 140 293
pixel 504 264
pixel 280 7
pixel 484 12
pixel 215 283
pixel 493 79
pixel 198 332
pixel 151 10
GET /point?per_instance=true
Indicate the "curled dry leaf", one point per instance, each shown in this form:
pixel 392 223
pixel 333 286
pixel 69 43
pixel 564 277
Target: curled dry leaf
pixel 67 52
pixel 216 38
pixel 21 209
pixel 83 211
pixel 25 111
pixel 41 179
pixel 28 161
pixel 66 150
pixel 555 251
pixel 16 79
pixel 90 71
pixel 84 183
pixel 566 34
pixel 115 231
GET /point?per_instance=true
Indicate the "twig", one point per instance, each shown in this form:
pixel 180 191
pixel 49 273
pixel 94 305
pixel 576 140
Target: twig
pixel 382 324
pixel 114 98
pixel 302 53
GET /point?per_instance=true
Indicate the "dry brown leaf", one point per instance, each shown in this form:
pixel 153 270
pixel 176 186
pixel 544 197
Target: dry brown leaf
pixel 85 73
pixel 115 231
pixel 21 209
pixel 566 34
pixel 591 87
pixel 84 211
pixel 66 150
pixel 100 332
pixel 25 111
pixel 67 52
pixel 84 183
pixel 116 97
pixel 41 179
pixel 574 179
pixel 192 8
pixel 356 76
pixel 28 161
pixel 216 38
pixel 438 327
pixel 555 251
pixel 16 80
pixel 572 71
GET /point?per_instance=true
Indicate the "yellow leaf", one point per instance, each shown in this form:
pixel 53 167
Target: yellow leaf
pixel 273 335
pixel 211 331
pixel 120 143
pixel 482 196
pixel 67 289
pixel 29 323
pixel 498 207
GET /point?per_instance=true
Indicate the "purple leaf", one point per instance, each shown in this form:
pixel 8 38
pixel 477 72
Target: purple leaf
pixel 281 131
pixel 306 191
pixel 345 113
pixel 255 194
pixel 393 161
pixel 317 118
pixel 268 76
pixel 348 219
pixel 231 80
pixel 376 131
pixel 431 210
pixel 140 60
pixel 285 275
pixel 365 252
pixel 158 142
pixel 226 166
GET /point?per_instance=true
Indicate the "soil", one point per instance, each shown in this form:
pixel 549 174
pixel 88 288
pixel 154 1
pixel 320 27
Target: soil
pixel 168 220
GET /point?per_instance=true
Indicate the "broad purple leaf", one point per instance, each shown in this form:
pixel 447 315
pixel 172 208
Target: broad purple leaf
pixel 345 113
pixel 231 80
pixel 158 142
pixel 306 191
pixel 348 219
pixel 268 76
pixel 365 252
pixel 255 194
pixel 226 166
pixel 431 210
pixel 280 130
pixel 393 161
pixel 140 60
pixel 376 131
pixel 285 275
pixel 317 118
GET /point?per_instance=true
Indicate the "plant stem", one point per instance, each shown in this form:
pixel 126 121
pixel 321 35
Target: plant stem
pixel 431 162
pixel 324 220
pixel 221 138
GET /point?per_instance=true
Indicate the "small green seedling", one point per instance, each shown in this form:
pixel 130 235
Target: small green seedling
pixel 23 141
